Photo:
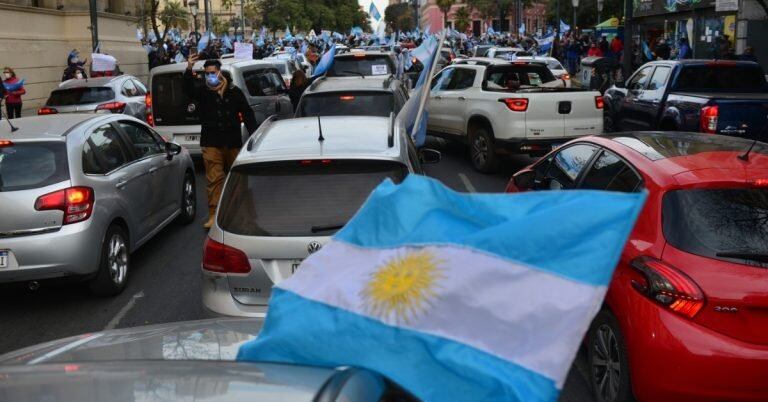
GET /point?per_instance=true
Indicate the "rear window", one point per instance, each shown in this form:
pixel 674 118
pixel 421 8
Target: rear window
pixel 25 166
pixel 80 96
pixel 719 223
pixel 280 67
pixel 304 198
pixel 709 78
pixel 361 65
pixel 347 104
pixel 170 106
pixel 514 77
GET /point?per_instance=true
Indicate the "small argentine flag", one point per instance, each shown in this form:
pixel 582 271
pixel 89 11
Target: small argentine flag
pixel 456 297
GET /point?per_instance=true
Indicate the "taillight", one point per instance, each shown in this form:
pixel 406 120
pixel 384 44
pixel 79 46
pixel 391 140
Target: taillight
pixel 75 202
pixel 148 113
pixel 755 182
pixel 218 257
pixel 565 77
pixel 46 110
pixel 114 107
pixel 6 143
pixel 516 104
pixel 709 119
pixel 599 102
pixel 668 287
pixel 347 98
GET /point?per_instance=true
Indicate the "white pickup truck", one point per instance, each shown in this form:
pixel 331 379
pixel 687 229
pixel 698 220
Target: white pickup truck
pixel 519 107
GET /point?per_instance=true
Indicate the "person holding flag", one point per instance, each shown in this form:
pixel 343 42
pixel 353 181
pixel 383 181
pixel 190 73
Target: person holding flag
pixel 414 113
pixel 14 89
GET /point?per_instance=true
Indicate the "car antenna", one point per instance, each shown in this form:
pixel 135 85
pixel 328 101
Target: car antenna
pixel 745 155
pixel 320 129
pixel 13 128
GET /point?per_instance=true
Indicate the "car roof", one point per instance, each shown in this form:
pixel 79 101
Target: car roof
pixel 345 137
pixel 488 61
pixel 507 48
pixel 92 82
pixel 226 63
pixel 369 83
pixel 51 127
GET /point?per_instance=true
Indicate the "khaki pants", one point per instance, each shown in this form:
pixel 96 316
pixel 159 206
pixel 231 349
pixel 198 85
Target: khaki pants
pixel 217 163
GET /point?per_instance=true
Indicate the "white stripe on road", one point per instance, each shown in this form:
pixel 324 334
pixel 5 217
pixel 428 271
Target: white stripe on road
pixel 63 349
pixel 123 311
pixel 467 183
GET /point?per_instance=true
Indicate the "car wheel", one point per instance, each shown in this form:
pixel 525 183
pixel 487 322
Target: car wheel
pixel 608 364
pixel 609 125
pixel 112 274
pixel 482 150
pixel 188 200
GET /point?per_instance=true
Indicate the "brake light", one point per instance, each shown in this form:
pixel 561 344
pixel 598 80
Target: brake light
pixel 565 77
pixel 599 102
pixel 756 182
pixel 6 143
pixel 359 55
pixel 218 257
pixel 347 98
pixel 709 119
pixel 516 104
pixel 307 162
pixel 114 107
pixel 75 202
pixel 150 117
pixel 668 287
pixel 46 110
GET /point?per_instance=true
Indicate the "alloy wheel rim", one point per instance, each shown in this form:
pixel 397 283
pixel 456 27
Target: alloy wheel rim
pixel 606 367
pixel 189 198
pixel 117 259
pixel 479 150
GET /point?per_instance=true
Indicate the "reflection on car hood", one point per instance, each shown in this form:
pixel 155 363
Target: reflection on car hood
pixel 216 339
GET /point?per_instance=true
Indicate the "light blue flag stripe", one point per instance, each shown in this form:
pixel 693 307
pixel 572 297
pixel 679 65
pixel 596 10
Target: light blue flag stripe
pixel 406 356
pixel 485 222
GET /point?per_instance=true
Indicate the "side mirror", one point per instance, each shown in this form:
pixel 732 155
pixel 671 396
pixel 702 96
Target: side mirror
pixel 429 156
pixel 524 179
pixel 171 149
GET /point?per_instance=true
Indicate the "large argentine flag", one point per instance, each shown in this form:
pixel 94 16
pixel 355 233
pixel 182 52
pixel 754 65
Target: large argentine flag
pixel 457 297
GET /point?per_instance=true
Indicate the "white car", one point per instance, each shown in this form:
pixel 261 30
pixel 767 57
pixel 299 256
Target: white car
pixel 506 52
pixel 553 65
pixel 294 184
pixel 497 107
pixel 286 66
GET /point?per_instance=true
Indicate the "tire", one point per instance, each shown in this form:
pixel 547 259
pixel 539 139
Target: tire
pixel 609 123
pixel 482 150
pixel 188 200
pixel 608 363
pixel 114 262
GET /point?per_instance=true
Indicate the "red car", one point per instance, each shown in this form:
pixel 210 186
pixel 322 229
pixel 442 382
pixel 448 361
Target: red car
pixel 686 314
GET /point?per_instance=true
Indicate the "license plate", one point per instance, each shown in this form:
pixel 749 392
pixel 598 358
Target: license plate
pixel 295 266
pixel 192 138
pixel 3 259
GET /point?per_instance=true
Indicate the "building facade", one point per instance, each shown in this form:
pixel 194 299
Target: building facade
pixel 534 18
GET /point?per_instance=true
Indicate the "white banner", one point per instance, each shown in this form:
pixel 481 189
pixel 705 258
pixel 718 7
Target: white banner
pixel 243 51
pixel 103 62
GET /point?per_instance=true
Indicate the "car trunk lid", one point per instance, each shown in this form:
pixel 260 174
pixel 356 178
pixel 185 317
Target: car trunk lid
pixel 743 118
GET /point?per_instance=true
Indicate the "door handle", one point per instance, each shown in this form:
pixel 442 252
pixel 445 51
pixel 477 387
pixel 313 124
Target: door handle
pixel 437 97
pixel 461 98
pixel 153 169
pixel 121 184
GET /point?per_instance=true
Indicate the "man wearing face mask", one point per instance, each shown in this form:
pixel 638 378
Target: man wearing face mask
pixel 221 107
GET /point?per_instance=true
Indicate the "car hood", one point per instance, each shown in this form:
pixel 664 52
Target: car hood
pixel 215 339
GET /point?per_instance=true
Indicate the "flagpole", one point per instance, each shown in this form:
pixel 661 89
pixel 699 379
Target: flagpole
pixel 423 100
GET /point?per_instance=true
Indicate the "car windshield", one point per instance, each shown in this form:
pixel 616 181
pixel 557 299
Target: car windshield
pixel 718 223
pixel 721 78
pixel 347 104
pixel 80 96
pixel 512 77
pixel 29 165
pixel 305 198
pixel 358 65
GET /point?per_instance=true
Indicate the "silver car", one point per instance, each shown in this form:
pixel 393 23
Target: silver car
pixel 122 94
pixel 286 65
pixel 80 192
pixel 353 96
pixel 288 192
pixel 174 115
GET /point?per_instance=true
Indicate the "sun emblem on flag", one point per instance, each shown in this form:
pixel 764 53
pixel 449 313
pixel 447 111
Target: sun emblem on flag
pixel 403 287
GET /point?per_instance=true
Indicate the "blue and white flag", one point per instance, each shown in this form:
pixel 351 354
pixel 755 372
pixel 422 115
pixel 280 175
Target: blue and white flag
pixel 226 42
pixel 326 37
pixel 545 43
pixel 304 48
pixel 374 12
pixel 139 34
pixel 489 30
pixel 13 87
pixel 203 43
pixel 564 27
pixel 647 52
pixel 521 30
pixel 287 35
pixel 456 297
pixel 415 112
pixel 326 62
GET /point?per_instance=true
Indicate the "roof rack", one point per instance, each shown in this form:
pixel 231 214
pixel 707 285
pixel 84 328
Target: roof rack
pixel 266 123
pixel 391 137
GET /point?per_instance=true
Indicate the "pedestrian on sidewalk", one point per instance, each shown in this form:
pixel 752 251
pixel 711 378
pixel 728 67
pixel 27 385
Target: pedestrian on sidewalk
pixel 14 89
pixel 221 107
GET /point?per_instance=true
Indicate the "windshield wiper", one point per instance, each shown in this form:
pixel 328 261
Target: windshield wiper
pixel 325 228
pixel 354 73
pixel 745 255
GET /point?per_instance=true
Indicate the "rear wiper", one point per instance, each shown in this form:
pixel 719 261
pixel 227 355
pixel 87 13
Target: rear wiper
pixel 325 228
pixel 745 255
pixel 354 73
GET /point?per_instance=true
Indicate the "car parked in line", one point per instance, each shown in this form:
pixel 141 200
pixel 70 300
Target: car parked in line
pixel 499 107
pixel 285 65
pixel 121 94
pixel 553 65
pixel 174 115
pixel 353 96
pixel 684 316
pixel 319 171
pixel 95 187
pixel 709 96
pixel 506 52
pixel 363 64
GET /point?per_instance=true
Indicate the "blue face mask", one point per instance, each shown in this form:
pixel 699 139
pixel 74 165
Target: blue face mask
pixel 212 79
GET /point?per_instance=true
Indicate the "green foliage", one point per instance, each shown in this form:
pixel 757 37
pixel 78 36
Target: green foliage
pixel 335 15
pixel 174 15
pixel 399 16
pixel 445 7
pixel 219 26
pixel 461 19
pixel 586 14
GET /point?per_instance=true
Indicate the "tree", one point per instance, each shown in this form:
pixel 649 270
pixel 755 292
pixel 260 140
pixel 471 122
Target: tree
pixel 399 16
pixel 586 13
pixel 174 15
pixel 445 7
pixel 219 26
pixel 461 19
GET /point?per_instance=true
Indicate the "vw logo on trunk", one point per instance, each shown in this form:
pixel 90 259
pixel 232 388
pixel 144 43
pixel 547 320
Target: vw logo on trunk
pixel 314 247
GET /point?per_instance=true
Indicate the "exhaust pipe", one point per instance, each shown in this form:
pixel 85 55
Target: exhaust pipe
pixel 33 285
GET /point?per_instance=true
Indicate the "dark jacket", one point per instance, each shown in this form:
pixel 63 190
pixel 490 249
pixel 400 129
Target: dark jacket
pixel 220 116
pixel 295 92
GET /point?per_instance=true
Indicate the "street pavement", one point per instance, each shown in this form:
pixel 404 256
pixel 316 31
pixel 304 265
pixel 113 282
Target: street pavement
pixel 164 281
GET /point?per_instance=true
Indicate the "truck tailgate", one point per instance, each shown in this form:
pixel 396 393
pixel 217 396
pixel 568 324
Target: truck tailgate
pixel 743 118
pixel 562 114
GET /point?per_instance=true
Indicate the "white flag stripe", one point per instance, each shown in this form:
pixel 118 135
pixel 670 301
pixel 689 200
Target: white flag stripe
pixel 504 317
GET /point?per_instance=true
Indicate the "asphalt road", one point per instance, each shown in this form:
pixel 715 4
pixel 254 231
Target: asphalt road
pixel 164 281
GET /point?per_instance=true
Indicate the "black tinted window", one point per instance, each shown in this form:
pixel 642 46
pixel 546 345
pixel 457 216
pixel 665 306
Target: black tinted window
pixel 361 65
pixel 141 140
pixel 718 223
pixel 170 106
pixel 566 167
pixel 110 149
pixel 91 163
pixel 514 77
pixel 610 173
pixel 32 165
pixel 347 104
pixel 304 199
pixel 263 83
pixel 721 78
pixel 80 96
pixel 463 78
